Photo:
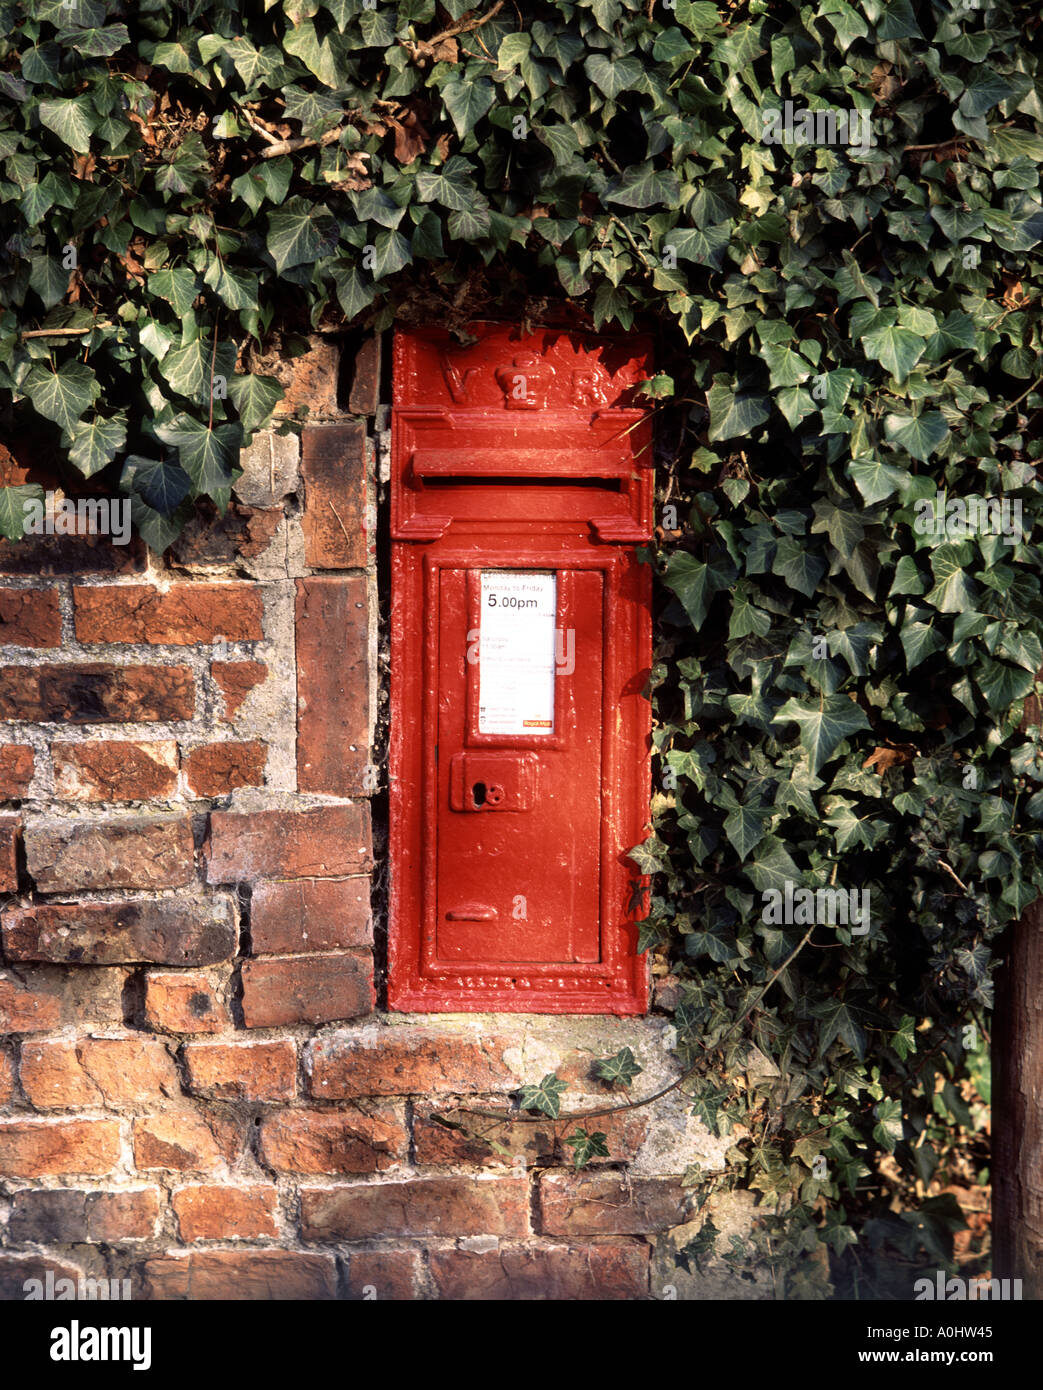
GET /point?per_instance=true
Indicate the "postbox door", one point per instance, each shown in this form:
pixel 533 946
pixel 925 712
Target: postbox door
pixel 518 767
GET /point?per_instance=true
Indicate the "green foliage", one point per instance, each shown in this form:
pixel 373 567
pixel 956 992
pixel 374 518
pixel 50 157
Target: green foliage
pixel 619 1069
pixel 546 1097
pixel 845 331
pixel 587 1146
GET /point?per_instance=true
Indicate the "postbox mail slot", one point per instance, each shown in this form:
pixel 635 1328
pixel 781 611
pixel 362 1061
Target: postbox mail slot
pixel 471 465
pixel 493 781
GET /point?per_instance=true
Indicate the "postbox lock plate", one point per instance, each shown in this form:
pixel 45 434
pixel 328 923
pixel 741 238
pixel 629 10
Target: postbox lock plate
pixel 493 781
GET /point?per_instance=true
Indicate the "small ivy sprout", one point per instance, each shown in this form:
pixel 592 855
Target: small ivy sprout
pixel 619 1069
pixel 587 1146
pixel 546 1097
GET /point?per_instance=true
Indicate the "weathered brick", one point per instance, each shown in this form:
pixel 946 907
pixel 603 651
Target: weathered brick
pixel 294 916
pixel 212 1212
pixel 164 931
pixel 241 1275
pixel 328 842
pixel 333 466
pixel 17 761
pixel 115 770
pixel 333 1141
pixel 9 828
pixel 96 693
pixel 332 696
pixel 181 1141
pixel 308 379
pixel 235 680
pixel 183 615
pixel 63 1072
pixel 182 1003
pixel 607 1203
pixel 384 1275
pixel 365 383
pixel 56 1217
pixel 45 1148
pixel 69 1215
pixel 242 1071
pixel 218 767
pixel 407 1061
pixel 27 1010
pixel 269 468
pixel 6 1077
pixel 209 539
pixel 41 998
pixel 138 852
pixel 129 1214
pixel 17 1271
pixel 46 556
pixel 450 1206
pixel 306 989
pixel 552 1273
pixel 30 618
pixel 534 1139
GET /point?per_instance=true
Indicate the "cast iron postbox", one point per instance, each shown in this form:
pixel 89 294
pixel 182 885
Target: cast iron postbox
pixel 520 647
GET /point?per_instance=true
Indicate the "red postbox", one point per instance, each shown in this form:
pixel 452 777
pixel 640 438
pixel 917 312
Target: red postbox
pixel 520 647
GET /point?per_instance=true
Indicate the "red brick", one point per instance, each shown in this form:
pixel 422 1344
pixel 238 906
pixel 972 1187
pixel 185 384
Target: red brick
pixel 306 989
pixel 182 1003
pixel 407 1061
pixel 309 379
pixel 333 466
pixel 131 1214
pixel 235 680
pixel 30 618
pixel 606 1203
pixel 225 1213
pixel 217 768
pixel 17 761
pixel 332 1141
pixel 183 615
pixel 25 1010
pixel 66 855
pixel 166 931
pixel 332 696
pixel 209 539
pixel 240 1275
pixel 45 1148
pixel 365 385
pixel 181 1142
pixel 96 693
pixel 65 1216
pixel 555 1273
pixel 17 1270
pixel 6 1078
pixel 450 1206
pixel 9 828
pixel 384 1276
pixel 536 1140
pixel 294 916
pixel 328 842
pixel 242 1071
pixel 115 770
pixel 64 1072
pixel 41 998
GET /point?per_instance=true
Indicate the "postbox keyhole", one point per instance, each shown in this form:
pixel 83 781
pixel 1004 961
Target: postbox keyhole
pixel 478 793
pixel 494 795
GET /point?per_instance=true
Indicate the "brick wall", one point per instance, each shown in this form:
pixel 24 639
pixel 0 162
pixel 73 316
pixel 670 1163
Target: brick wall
pixel 199 1090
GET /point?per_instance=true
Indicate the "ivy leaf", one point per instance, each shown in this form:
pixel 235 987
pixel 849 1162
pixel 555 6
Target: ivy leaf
pixel 178 286
pixel 95 443
pixel 546 1097
pixel 71 119
pixel 467 102
pixel 823 727
pixel 896 349
pixel 587 1146
pixel 953 591
pixel 889 1127
pixel 63 396
pixel 643 186
pixel 875 480
pixel 293 238
pixel 12 508
pixel 162 485
pixel 801 568
pixel 612 75
pixel 695 582
pixel 745 828
pixel 205 453
pixel 920 435
pixel 620 1068
pixel 255 397
pixel 734 413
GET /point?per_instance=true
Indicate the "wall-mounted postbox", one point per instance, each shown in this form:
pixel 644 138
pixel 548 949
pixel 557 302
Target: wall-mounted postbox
pixel 520 646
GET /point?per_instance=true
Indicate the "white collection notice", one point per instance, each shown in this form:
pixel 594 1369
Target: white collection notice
pixel 516 652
